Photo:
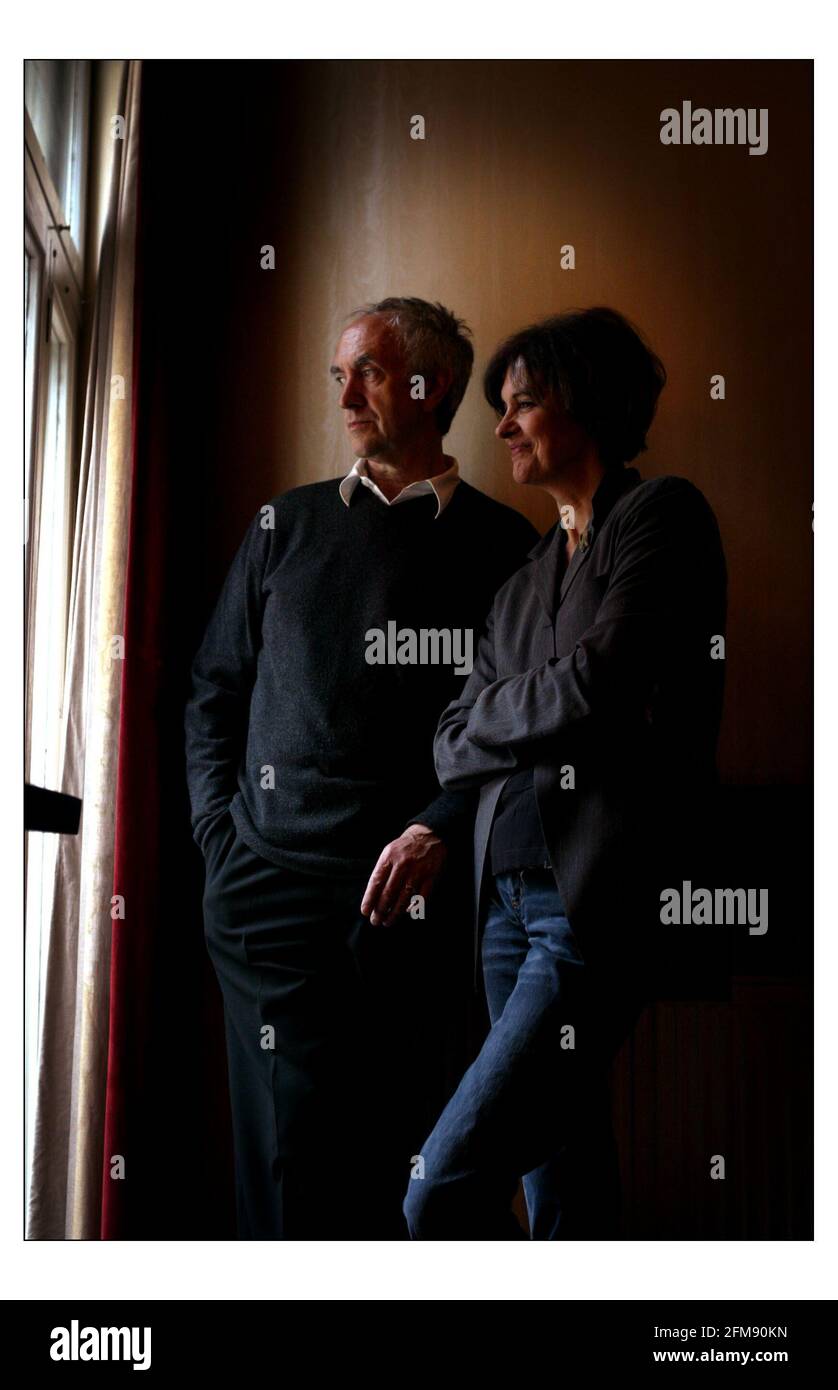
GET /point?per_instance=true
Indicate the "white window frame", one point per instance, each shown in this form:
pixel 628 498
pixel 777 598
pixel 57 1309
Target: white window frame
pixel 53 313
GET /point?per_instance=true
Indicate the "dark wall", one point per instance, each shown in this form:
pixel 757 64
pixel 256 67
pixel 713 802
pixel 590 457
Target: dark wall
pixel 709 251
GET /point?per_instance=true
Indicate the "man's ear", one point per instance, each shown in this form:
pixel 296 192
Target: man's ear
pixel 435 388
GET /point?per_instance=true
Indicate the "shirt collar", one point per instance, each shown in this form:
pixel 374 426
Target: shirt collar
pixel 614 482
pixel 441 484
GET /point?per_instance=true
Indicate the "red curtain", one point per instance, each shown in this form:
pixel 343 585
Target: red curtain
pixel 167 1111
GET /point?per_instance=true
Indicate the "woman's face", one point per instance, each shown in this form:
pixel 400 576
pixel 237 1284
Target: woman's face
pixel 544 442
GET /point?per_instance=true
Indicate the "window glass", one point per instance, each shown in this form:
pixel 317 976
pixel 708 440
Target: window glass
pixel 54 93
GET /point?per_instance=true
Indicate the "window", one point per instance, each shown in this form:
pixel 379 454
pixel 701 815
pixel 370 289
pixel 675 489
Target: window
pixel 55 96
pixel 55 130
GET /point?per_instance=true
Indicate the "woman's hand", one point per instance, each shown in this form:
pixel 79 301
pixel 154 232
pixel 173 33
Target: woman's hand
pixel 406 867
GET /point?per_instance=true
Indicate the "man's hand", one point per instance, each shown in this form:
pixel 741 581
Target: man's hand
pixel 407 866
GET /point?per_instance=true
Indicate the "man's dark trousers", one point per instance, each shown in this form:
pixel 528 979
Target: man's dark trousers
pixel 325 1052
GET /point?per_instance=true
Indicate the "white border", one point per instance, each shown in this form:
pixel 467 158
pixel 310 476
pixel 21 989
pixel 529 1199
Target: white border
pixel 227 1270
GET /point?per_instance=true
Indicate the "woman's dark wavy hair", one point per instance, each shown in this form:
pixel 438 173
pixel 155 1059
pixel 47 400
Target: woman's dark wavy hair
pixel 596 363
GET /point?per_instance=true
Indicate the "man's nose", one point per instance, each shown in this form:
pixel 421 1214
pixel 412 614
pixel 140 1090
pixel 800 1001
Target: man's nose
pixel 351 395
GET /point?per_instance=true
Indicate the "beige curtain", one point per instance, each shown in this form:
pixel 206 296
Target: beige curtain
pixel 66 1178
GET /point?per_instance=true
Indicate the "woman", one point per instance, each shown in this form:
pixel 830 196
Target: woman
pixel 589 725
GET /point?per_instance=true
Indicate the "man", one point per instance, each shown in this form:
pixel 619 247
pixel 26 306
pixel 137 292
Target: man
pixel 343 629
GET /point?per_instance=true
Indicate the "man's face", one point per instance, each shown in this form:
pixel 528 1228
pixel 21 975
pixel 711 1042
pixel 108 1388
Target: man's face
pixel 380 417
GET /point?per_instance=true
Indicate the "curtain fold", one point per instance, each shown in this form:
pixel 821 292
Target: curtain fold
pixel 167 1144
pixel 64 1200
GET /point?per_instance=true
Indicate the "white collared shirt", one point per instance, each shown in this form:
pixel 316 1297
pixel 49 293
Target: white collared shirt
pixel 443 485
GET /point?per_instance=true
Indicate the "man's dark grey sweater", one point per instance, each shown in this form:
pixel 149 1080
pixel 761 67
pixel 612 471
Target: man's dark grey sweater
pixel 320 757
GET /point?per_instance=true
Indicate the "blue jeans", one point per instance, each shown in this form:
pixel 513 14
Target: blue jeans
pixel 536 1102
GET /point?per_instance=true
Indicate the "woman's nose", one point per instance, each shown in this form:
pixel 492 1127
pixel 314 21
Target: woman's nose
pixel 504 426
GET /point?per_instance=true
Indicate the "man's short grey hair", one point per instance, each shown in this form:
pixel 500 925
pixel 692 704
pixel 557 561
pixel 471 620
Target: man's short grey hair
pixel 432 340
